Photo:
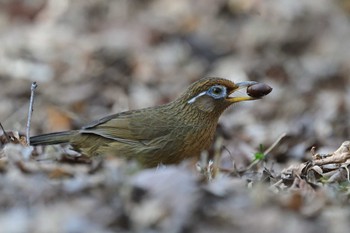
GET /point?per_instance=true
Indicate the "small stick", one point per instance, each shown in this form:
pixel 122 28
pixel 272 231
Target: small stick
pixel 6 135
pixel 30 111
pixel 268 150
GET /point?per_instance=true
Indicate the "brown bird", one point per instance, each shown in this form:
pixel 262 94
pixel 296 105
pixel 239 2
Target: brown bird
pixel 164 134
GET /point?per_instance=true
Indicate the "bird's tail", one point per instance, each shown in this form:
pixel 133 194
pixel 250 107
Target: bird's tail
pixel 52 138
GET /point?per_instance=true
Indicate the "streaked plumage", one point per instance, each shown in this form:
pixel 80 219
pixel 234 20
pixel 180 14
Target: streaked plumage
pixel 164 134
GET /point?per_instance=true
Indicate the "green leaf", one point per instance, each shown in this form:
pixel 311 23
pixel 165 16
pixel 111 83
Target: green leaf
pixel 260 154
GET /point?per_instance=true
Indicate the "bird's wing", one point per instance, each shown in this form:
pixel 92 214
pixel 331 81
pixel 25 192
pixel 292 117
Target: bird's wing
pixel 122 115
pixel 128 127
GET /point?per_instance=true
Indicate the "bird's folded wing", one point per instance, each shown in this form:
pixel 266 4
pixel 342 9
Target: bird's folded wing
pixel 121 116
pixel 124 128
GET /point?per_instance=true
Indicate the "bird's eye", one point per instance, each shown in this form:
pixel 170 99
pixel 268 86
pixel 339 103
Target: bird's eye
pixel 217 92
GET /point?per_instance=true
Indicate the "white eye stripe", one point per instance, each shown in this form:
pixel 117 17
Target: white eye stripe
pixel 191 101
pixel 211 92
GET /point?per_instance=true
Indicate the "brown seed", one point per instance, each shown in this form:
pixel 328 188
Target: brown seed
pixel 258 90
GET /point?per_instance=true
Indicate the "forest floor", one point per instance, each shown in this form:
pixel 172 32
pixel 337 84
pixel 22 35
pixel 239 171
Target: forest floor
pixel 280 164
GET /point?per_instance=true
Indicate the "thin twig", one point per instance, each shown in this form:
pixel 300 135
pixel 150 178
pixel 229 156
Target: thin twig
pixel 6 135
pixel 30 111
pixel 267 151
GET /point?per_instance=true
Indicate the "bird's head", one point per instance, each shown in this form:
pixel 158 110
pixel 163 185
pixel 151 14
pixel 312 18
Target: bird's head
pixel 214 95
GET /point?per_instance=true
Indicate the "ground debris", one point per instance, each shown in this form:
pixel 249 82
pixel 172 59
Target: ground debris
pixel 93 58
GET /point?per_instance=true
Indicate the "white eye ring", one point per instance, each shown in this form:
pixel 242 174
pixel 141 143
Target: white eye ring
pixel 217 92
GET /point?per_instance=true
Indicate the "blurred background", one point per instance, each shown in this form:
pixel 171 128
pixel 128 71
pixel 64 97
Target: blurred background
pixel 92 58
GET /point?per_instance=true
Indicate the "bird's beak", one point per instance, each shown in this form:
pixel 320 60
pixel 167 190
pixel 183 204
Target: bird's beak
pixel 239 86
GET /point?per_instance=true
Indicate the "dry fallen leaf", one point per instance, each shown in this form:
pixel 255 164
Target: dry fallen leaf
pixel 341 155
pixel 57 120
